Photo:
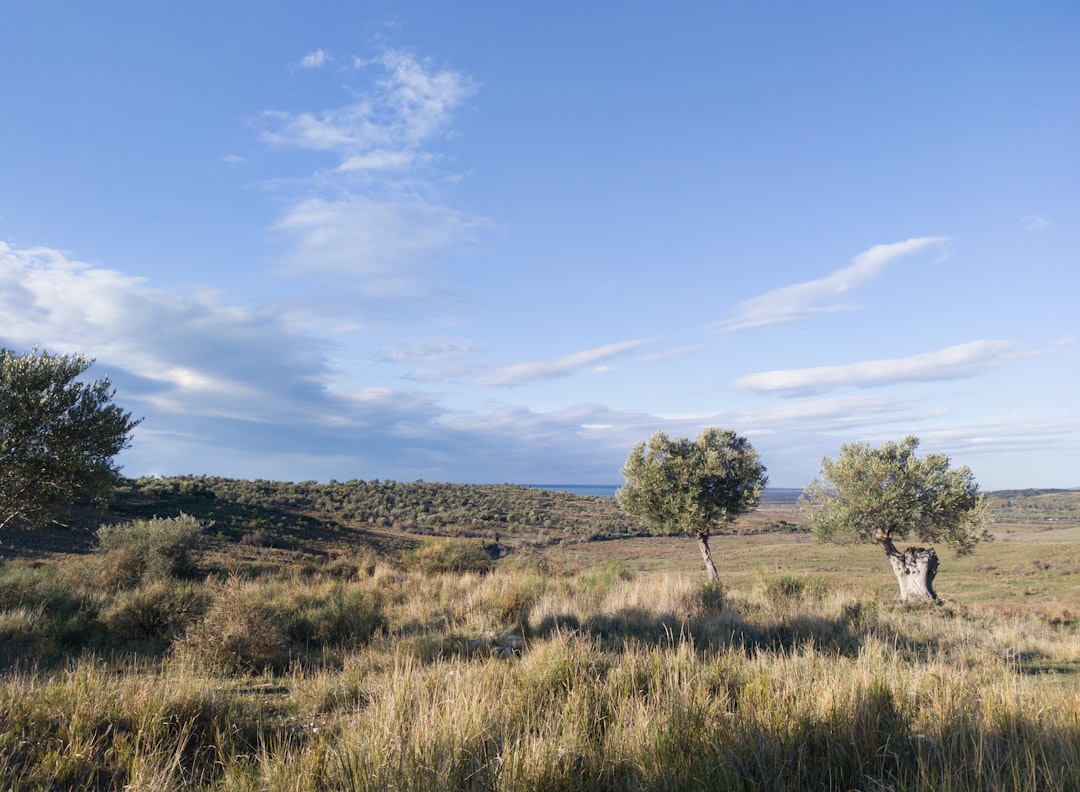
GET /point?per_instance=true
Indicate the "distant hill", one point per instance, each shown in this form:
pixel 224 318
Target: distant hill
pixel 388 516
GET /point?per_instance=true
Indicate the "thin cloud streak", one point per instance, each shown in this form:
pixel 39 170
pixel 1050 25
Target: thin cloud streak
pixel 824 295
pixel 954 362
pixel 520 373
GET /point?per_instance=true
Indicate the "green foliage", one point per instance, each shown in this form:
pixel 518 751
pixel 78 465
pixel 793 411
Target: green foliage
pixel 43 614
pixel 58 437
pixel 156 548
pixel 883 494
pixel 691 486
pixel 706 599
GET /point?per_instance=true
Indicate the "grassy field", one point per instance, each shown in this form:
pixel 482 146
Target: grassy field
pixel 461 663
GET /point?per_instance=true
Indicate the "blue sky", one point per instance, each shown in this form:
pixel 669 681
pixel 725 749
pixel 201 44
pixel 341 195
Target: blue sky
pixel 493 242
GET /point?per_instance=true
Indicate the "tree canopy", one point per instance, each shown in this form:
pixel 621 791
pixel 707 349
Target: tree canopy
pixel 58 436
pixel 882 495
pixel 678 485
pixel 875 494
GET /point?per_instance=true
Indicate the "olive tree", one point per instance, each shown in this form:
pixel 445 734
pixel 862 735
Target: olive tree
pixel 883 495
pixel 58 436
pixel 683 486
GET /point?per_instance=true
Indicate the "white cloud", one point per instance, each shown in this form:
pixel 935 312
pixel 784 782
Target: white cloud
pixel 404 109
pixel 373 223
pixel 671 354
pixel 357 234
pixel 824 295
pixel 1034 222
pixel 314 60
pixel 518 373
pixel 188 355
pixel 954 362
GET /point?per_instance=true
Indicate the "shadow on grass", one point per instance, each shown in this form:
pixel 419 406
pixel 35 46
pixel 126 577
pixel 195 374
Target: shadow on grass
pixel 763 629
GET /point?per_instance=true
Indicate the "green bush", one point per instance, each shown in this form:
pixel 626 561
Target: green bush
pixel 433 556
pixel 344 615
pixel 791 588
pixel 156 548
pixel 706 599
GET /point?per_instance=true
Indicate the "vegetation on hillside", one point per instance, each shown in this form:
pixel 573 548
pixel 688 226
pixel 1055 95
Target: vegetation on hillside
pixel 425 509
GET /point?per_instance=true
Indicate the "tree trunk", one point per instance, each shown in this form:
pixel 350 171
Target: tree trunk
pixel 710 567
pixel 915 569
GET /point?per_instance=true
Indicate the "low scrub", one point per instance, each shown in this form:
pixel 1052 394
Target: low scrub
pixel 158 609
pixel 436 556
pixel 242 632
pixel 160 547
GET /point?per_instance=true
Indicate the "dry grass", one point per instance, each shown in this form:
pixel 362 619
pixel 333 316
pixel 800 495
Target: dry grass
pixel 612 670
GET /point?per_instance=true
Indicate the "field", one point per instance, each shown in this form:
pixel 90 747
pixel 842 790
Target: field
pixel 308 653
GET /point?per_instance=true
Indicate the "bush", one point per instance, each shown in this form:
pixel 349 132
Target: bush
pixel 241 633
pixel 793 588
pixel 43 613
pixel 433 556
pixel 339 615
pixel 156 548
pixel 705 599
pixel 157 609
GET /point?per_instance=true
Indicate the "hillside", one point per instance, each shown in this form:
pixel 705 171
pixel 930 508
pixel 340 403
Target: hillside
pixel 312 518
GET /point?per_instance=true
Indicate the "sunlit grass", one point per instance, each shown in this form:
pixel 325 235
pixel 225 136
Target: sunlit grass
pixel 788 676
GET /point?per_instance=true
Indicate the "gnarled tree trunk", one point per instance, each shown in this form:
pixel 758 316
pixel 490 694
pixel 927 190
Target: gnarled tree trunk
pixel 710 567
pixel 915 569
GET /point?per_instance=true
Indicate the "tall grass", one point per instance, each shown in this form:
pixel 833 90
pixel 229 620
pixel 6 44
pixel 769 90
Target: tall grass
pixel 395 679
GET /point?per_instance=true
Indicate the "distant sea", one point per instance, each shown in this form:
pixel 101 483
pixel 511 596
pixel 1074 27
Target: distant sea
pixel 776 495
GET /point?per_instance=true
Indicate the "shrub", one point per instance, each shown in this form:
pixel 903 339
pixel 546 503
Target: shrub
pixel 156 548
pixel 45 613
pixel 790 588
pixel 341 615
pixel 241 633
pixel 158 609
pixel 705 599
pixel 433 556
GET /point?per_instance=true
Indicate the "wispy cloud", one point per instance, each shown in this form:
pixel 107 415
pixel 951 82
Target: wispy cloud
pixel 373 222
pixel 356 234
pixel 824 295
pixel 520 373
pixel 433 360
pixel 313 60
pixel 954 362
pixel 404 109
pixel 671 354
pixel 1034 222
